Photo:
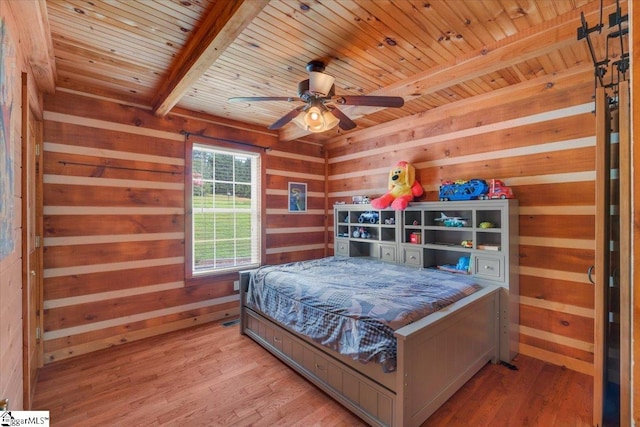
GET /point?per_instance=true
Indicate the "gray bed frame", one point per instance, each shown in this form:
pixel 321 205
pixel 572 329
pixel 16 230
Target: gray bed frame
pixel 436 355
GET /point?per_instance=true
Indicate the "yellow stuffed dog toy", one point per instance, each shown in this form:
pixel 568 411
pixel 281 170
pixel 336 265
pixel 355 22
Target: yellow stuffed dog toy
pixel 403 187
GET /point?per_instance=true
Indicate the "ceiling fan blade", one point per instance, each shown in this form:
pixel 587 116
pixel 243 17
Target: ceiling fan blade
pixel 370 101
pixel 345 122
pixel 286 118
pixel 262 98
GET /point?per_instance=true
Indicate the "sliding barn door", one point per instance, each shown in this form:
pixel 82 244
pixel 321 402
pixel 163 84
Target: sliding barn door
pixel 601 277
pixel 624 281
pixel 612 265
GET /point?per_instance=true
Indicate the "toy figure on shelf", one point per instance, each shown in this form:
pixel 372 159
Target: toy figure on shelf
pixel 361 233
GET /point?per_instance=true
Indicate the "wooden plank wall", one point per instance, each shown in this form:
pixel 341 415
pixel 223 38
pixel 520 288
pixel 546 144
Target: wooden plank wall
pixel 634 13
pixel 539 138
pixel 11 371
pixel 11 253
pixel 114 223
pixel 295 236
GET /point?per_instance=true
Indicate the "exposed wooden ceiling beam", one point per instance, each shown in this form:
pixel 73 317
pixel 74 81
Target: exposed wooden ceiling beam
pixel 534 42
pixel 224 22
pixel 33 26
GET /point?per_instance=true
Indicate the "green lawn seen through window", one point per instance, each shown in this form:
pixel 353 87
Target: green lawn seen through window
pixel 220 234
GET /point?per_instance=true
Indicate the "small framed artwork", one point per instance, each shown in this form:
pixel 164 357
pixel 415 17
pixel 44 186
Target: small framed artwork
pixel 297 197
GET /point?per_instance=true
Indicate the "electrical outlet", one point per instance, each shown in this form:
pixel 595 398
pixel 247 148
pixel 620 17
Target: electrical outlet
pixel 236 285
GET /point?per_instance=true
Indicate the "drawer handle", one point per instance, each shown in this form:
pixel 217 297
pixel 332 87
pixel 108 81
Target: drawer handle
pixel 488 267
pixel 277 339
pixel 387 253
pixel 589 271
pixel 319 367
pixel 412 257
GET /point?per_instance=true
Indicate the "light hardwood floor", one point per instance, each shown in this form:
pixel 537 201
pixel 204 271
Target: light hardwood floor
pixel 210 375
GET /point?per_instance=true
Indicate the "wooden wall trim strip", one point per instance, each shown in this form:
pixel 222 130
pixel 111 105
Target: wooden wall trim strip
pixel 555 178
pixel 553 242
pixel 110 210
pixel 286 212
pixel 293 174
pixel 293 155
pixel 110 238
pixel 549 336
pixel 95 268
pixel 287 249
pixel 557 359
pixel 103 124
pixel 110 182
pixel 59 333
pixel 463 133
pixel 112 154
pixel 558 210
pixel 280 192
pixel 295 230
pixel 555 306
pixel 554 274
pixel 65 302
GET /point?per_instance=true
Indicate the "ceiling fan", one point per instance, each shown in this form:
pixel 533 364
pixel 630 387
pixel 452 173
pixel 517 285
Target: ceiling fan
pixel 319 112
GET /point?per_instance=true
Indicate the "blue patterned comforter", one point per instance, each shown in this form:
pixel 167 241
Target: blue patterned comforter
pixel 353 305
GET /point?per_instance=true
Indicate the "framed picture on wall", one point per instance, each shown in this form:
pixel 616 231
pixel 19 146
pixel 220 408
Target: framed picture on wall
pixel 297 197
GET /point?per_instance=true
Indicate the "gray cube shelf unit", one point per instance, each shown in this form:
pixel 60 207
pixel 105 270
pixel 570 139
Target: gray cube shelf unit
pixel 420 237
pixel 380 232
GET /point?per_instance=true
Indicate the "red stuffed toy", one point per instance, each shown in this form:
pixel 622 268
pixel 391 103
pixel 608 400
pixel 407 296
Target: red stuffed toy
pixel 403 188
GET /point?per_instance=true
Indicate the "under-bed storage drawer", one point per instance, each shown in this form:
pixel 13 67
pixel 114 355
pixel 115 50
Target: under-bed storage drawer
pixel 267 332
pixel 338 380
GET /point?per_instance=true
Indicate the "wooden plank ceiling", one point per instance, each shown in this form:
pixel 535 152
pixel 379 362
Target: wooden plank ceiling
pixel 174 55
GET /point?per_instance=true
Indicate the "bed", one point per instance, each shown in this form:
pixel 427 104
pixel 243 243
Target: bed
pixel 433 355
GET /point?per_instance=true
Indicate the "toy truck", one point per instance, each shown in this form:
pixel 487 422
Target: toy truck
pixel 497 190
pixel 463 190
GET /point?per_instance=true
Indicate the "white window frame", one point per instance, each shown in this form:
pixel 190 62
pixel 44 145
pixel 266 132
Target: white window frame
pixel 254 209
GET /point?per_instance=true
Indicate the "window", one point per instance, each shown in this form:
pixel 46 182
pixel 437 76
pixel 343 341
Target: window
pixel 225 220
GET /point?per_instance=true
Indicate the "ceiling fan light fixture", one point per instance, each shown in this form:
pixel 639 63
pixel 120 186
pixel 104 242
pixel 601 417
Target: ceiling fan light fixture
pixel 315 119
pixel 330 121
pixel 320 83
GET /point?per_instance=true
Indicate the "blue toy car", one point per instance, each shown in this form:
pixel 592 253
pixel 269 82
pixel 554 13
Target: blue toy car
pixel 369 216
